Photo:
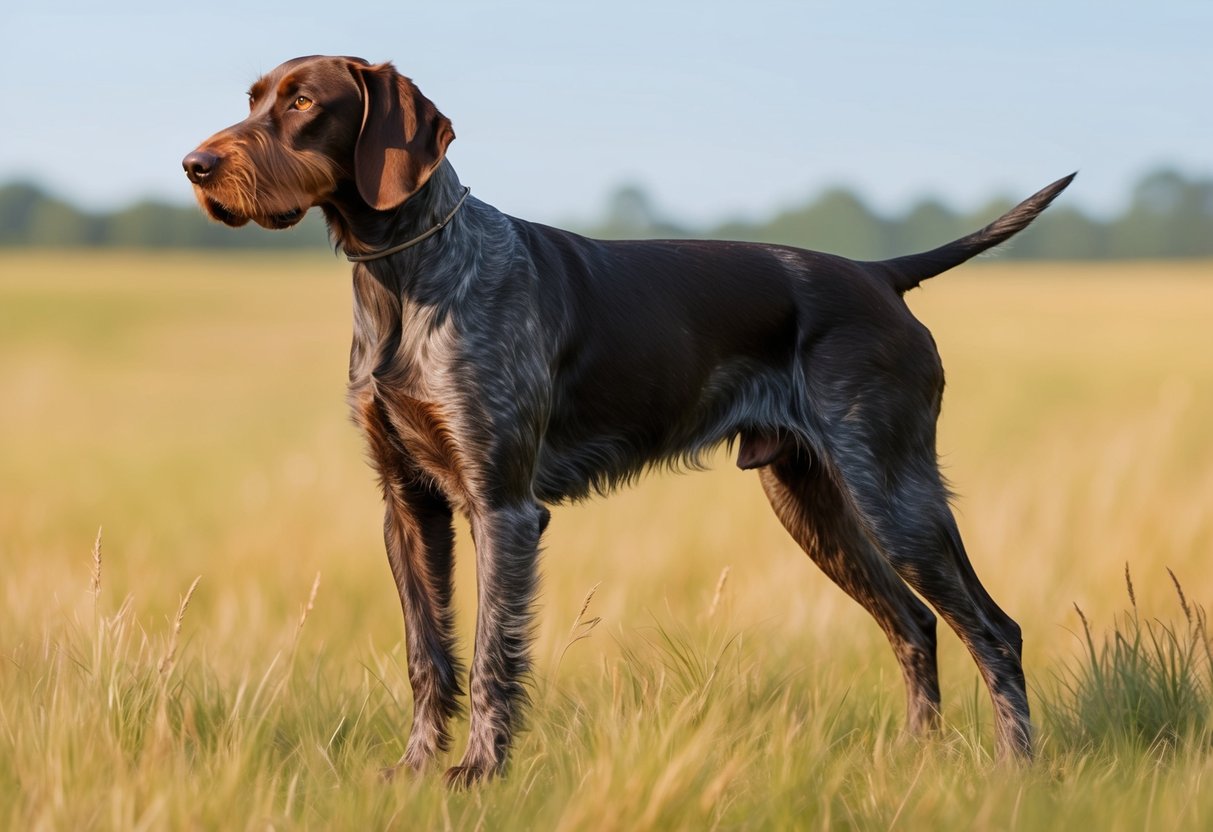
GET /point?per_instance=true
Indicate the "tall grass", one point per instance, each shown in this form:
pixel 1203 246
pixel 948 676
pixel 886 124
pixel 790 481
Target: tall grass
pixel 118 723
pixel 693 670
pixel 1146 687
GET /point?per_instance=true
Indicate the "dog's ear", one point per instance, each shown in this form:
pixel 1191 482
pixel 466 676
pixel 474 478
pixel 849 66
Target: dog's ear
pixel 403 137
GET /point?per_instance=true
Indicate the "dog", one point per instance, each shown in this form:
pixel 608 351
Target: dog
pixel 500 366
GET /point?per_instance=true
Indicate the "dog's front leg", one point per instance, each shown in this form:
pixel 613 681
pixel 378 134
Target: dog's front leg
pixel 419 539
pixel 507 546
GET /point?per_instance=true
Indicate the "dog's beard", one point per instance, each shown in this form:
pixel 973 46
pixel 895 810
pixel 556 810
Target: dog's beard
pixel 272 188
pixel 237 212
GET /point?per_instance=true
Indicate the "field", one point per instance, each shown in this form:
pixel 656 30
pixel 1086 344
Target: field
pixel 191 407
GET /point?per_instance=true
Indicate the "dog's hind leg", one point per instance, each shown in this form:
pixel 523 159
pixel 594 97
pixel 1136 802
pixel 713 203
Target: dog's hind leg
pixel 815 513
pixel 878 410
pixel 915 529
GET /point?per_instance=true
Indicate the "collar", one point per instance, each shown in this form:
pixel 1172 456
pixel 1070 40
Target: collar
pixel 425 235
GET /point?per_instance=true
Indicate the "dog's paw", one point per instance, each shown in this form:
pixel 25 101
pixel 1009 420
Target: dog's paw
pixel 465 776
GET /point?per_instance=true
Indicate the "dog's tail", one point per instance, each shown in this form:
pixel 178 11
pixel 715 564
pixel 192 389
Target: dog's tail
pixel 909 271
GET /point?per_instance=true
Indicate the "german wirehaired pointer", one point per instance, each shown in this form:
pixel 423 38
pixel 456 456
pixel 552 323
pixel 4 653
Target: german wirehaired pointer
pixel 499 365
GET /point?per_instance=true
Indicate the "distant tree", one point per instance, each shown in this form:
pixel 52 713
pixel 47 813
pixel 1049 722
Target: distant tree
pixel 154 225
pixel 632 214
pixel 1062 233
pixel 837 221
pixel 17 203
pixel 53 223
pixel 1169 216
pixel 928 224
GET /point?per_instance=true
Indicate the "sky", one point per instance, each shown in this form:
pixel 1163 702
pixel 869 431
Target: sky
pixel 720 110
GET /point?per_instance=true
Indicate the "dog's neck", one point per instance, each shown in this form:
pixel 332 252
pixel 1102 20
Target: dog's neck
pixel 360 229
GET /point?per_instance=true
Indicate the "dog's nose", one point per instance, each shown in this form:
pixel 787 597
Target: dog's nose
pixel 199 165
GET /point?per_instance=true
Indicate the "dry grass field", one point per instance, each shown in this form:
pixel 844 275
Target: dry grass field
pixel 191 406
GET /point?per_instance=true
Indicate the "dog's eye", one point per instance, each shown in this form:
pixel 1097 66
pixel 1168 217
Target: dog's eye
pixel 302 103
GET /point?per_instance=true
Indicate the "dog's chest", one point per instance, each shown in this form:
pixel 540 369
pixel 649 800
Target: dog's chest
pixel 404 393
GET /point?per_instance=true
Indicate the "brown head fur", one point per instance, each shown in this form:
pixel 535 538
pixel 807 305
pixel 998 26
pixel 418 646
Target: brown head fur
pixel 318 126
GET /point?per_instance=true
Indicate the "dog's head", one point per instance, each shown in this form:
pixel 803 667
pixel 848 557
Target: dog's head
pixel 317 124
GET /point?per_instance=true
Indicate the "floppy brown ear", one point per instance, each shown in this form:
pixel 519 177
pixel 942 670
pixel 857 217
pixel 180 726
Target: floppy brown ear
pixel 403 137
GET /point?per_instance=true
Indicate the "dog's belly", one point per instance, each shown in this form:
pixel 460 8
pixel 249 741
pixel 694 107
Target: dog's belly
pixel 593 445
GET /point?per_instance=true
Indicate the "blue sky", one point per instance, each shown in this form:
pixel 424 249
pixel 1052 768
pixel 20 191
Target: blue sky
pixel 718 109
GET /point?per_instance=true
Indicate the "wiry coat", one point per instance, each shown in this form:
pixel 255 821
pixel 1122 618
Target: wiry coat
pixel 499 365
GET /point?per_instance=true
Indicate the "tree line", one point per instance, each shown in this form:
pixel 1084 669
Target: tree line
pixel 31 217
pixel 1169 215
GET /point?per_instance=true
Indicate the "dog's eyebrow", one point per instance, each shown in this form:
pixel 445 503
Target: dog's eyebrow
pixel 290 82
pixel 257 88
